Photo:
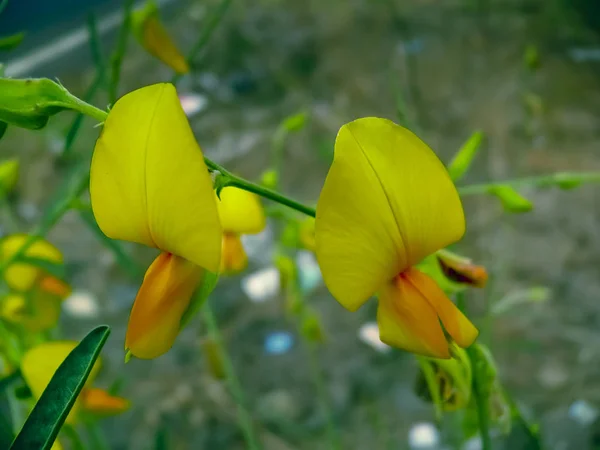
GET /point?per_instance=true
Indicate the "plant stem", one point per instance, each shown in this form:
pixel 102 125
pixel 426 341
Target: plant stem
pixel 207 30
pixel 71 432
pixel 569 179
pixel 481 399
pixel 96 439
pixel 235 388
pixel 481 394
pixel 52 217
pixel 117 56
pixel 317 376
pixel 230 179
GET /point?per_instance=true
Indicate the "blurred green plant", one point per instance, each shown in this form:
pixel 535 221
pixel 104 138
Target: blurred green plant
pixel 50 412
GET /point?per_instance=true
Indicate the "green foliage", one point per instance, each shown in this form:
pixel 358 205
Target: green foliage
pixel 12 41
pixel 511 200
pixel 200 297
pixel 295 122
pixel 53 268
pixel 49 413
pixel 30 103
pixel 462 160
pixel 3 127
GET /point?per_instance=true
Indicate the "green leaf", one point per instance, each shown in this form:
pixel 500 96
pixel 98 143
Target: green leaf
pixel 511 200
pixel 10 42
pixel 295 122
pixel 30 103
pixel 6 381
pixel 464 157
pixel 49 413
pixel 53 268
pixel 199 299
pixel 3 127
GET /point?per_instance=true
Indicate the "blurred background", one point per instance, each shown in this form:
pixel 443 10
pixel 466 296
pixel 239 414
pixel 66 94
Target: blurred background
pixel 524 72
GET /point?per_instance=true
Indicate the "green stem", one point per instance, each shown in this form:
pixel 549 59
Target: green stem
pixel 51 218
pixel 117 56
pixel 479 390
pixel 71 433
pixel 569 179
pixel 95 436
pixel 317 376
pixel 229 179
pixel 207 30
pixel 481 399
pixel 235 388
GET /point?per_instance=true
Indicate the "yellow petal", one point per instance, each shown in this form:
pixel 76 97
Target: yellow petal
pixel 407 321
pixel 307 234
pixel 234 258
pixel 98 401
pixel 21 276
pixel 149 183
pixel 153 36
pixel 41 362
pixel 240 211
pixel 455 323
pixel 164 296
pixel 387 203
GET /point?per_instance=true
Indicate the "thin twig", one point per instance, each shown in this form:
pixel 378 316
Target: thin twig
pixel 207 31
pixel 235 388
pixel 117 56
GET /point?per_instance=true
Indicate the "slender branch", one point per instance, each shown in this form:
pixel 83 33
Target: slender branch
pixel 317 377
pixel 565 179
pixel 207 30
pixel 229 179
pixel 235 388
pixel 50 219
pixel 117 56
pixel 481 398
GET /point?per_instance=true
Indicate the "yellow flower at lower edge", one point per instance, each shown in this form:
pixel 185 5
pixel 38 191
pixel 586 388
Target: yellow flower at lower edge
pixel 41 362
pixel 149 184
pixel 241 213
pixel 387 203
pixel 21 276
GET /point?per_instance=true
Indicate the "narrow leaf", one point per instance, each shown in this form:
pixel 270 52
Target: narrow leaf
pixel 12 41
pixel 463 158
pixel 49 413
pixel 511 200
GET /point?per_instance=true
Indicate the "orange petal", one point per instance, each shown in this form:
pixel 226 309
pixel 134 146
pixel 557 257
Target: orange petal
pixel 408 321
pixel 55 286
pixel 164 296
pixel 233 255
pixel 455 322
pixel 98 401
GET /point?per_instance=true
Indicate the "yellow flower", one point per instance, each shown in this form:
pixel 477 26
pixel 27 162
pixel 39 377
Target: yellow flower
pixel 153 36
pixel 149 185
pixel 41 362
pixel 37 311
pixel 22 276
pixel 387 203
pixel 241 213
